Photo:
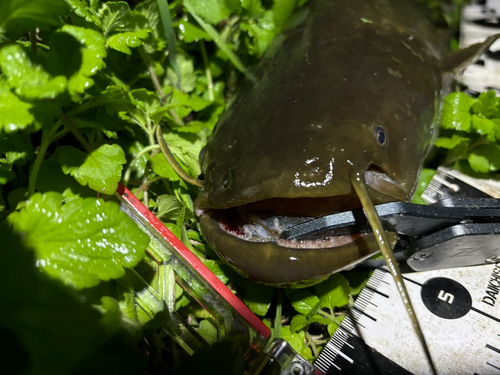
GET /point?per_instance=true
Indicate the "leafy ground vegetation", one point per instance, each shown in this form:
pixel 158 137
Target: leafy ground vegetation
pixel 86 90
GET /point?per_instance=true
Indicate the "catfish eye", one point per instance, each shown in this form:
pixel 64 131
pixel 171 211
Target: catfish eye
pixel 380 135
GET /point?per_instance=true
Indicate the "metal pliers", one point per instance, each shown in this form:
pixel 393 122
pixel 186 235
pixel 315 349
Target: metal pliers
pixel 453 232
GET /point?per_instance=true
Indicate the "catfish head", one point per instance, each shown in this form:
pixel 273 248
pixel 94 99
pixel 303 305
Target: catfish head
pixel 348 90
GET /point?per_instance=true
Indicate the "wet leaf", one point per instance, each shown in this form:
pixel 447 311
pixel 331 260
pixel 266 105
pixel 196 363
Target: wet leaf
pixel 28 79
pixel 14 113
pixel 424 179
pixel 333 292
pixel 100 170
pixel 487 105
pixel 124 41
pixel 54 330
pixel 208 331
pixel 486 127
pixel 92 48
pixel 485 158
pixel 192 33
pixel 256 296
pixel 114 15
pixel 160 166
pixel 456 112
pixel 211 11
pixel 81 242
pixel 302 300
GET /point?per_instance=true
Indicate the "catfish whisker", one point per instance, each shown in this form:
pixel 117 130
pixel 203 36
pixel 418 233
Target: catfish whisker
pixel 359 185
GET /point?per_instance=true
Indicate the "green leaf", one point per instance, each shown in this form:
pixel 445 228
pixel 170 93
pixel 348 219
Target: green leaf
pixel 27 15
pixel 302 300
pixel 115 99
pixel 282 10
pixel 358 278
pixel 168 207
pixel 52 179
pixel 51 328
pixel 147 104
pixel 81 242
pixel 92 47
pixel 114 15
pixel 455 141
pixel 485 158
pixel 219 269
pixel 124 41
pixel 487 105
pixel 332 327
pixel 256 296
pixel 82 8
pixel 208 331
pixel 187 148
pixel 27 78
pixel 17 148
pixel 160 166
pixel 211 11
pixel 333 292
pixel 456 113
pixel 188 75
pixel 101 170
pixel 192 33
pixel 14 113
pixel 424 179
pixel 296 340
pixel 298 322
pixel 487 128
pixel 6 173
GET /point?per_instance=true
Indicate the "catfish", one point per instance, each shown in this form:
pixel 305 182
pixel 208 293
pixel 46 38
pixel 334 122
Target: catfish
pixel 341 115
pixel 351 88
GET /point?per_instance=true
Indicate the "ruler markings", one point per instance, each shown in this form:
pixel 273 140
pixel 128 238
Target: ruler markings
pixel 495 367
pixel 485 314
pixel 339 352
pixel 364 313
pixel 337 367
pixel 376 291
pixel 493 348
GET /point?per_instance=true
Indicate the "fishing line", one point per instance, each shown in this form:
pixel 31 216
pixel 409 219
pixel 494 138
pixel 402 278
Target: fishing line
pixel 359 185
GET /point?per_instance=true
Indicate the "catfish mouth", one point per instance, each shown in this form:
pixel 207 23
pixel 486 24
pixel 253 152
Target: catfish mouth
pixel 266 220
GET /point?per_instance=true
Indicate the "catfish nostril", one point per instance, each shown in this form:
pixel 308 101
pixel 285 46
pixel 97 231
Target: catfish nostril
pixel 380 181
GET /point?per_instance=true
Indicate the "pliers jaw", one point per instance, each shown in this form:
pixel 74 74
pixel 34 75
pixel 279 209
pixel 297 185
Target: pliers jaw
pixel 456 231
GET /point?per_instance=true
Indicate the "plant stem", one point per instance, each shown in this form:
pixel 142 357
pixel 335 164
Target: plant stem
pixel 38 162
pixel 67 122
pixel 277 319
pixel 326 315
pixel 152 74
pixel 33 40
pixel 208 72
pixel 312 344
pixel 157 85
pixel 173 163
pixel 126 175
